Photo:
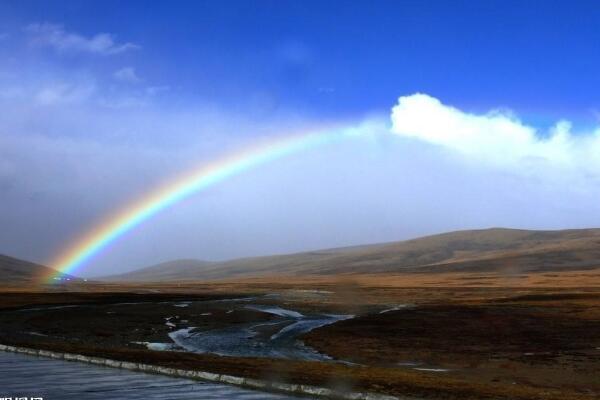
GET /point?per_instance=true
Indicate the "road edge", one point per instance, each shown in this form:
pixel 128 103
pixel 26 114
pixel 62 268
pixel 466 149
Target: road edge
pixel 307 390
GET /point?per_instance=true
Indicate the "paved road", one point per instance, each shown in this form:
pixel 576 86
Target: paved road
pixel 28 376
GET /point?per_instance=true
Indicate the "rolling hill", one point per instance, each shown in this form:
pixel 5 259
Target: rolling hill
pixel 165 271
pixel 16 272
pixel 489 250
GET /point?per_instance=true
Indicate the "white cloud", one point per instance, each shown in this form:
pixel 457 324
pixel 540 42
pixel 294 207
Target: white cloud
pixel 56 37
pixel 63 93
pixel 497 137
pixel 127 74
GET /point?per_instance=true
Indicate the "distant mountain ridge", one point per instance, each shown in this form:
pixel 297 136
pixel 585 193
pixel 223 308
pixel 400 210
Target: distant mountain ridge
pixel 165 270
pixel 14 271
pixel 487 250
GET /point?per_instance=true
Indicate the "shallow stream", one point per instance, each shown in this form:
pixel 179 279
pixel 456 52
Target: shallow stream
pixel 252 339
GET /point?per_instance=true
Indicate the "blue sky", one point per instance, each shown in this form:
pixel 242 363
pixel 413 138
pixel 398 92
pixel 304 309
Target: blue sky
pixel 481 114
pixel 331 57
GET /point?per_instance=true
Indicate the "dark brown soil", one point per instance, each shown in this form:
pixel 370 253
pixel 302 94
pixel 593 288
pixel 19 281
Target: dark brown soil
pixel 541 340
pixel 442 332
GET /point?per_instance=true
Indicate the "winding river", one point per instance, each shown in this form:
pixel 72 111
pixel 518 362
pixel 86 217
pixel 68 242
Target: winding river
pixel 250 340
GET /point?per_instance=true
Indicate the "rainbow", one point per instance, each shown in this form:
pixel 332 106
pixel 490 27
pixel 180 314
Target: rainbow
pixel 125 219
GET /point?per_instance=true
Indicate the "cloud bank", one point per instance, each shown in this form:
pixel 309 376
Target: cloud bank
pixel 496 138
